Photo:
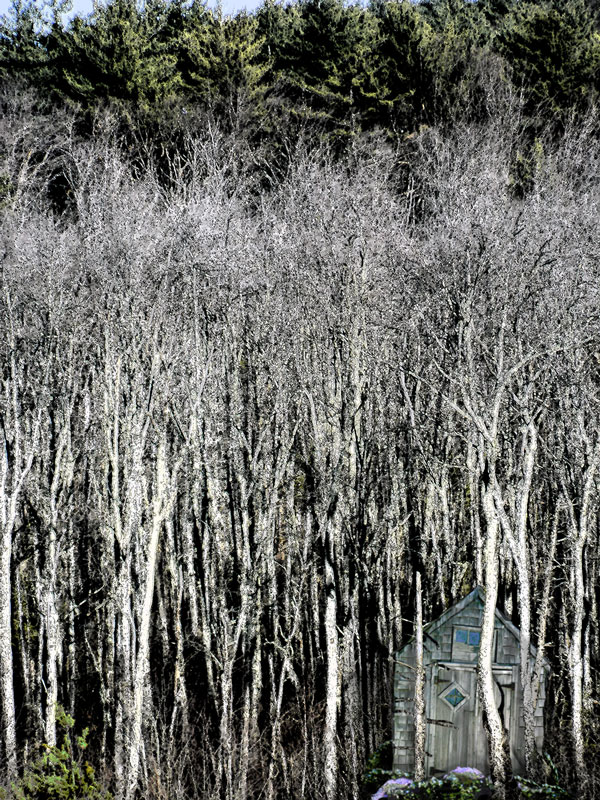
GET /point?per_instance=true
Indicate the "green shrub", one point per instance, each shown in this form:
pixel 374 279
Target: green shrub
pixel 61 773
pixel 531 789
pixel 553 791
pixel 464 783
pixel 450 787
pixel 378 768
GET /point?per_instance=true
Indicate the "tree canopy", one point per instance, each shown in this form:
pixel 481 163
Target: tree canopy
pixel 333 65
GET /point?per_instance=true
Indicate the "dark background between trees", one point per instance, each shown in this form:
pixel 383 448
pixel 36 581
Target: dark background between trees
pixel 294 305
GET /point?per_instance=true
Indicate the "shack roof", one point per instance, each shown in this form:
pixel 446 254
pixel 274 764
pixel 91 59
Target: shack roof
pixel 477 596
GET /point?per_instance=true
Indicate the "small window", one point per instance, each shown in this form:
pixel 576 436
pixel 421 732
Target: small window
pixel 454 697
pixel 466 640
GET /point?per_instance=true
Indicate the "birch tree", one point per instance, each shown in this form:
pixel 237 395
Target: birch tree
pixel 21 418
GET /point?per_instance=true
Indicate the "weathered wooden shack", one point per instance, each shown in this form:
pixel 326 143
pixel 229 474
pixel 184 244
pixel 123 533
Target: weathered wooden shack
pixel 455 733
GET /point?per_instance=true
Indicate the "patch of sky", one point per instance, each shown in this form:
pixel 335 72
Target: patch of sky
pixel 85 7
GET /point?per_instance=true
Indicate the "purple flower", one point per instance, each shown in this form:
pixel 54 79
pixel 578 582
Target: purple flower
pixel 391 788
pixel 465 774
pixel 380 794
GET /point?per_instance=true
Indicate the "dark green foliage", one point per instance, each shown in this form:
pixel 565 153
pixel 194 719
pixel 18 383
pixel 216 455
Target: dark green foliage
pixel 61 773
pixel 554 53
pixel 378 767
pixel 322 60
pixel 446 788
pixel 327 67
pixel 551 788
pixel 402 72
pixel 219 59
pixel 22 48
pixel 461 784
pixel 531 789
pixel 118 53
pixel 456 47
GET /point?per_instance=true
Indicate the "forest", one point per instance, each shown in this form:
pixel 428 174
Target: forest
pixel 299 342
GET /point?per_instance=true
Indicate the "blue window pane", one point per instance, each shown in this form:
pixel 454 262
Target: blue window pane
pixel 461 636
pixel 454 697
pixel 474 637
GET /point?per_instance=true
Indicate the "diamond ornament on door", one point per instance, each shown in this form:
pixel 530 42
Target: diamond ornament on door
pixel 454 696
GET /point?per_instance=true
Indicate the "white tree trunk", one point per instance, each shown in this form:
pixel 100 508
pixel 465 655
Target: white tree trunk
pixel 420 720
pixel 18 448
pixel 485 678
pixel 9 738
pixel 160 507
pixel 330 765
pixel 579 536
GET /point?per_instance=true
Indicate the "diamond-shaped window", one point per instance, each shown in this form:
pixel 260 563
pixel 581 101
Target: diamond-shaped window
pixel 454 696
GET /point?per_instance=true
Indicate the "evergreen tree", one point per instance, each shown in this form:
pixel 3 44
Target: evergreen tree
pixel 62 773
pixel 323 61
pixel 402 73
pixel 22 51
pixel 118 53
pixel 457 39
pixel 221 63
pixel 554 52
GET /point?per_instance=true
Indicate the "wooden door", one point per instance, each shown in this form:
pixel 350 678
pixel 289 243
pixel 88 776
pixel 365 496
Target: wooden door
pixel 456 736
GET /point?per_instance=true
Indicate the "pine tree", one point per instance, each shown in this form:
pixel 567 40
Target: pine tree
pixel 220 61
pixel 22 51
pixel 554 53
pixel 458 35
pixel 402 73
pixel 322 61
pixel 117 54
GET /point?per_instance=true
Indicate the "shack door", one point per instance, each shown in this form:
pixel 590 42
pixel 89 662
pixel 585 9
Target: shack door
pixel 455 732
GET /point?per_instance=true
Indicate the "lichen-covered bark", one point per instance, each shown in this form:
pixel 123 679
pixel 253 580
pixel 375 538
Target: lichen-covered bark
pixel 420 719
